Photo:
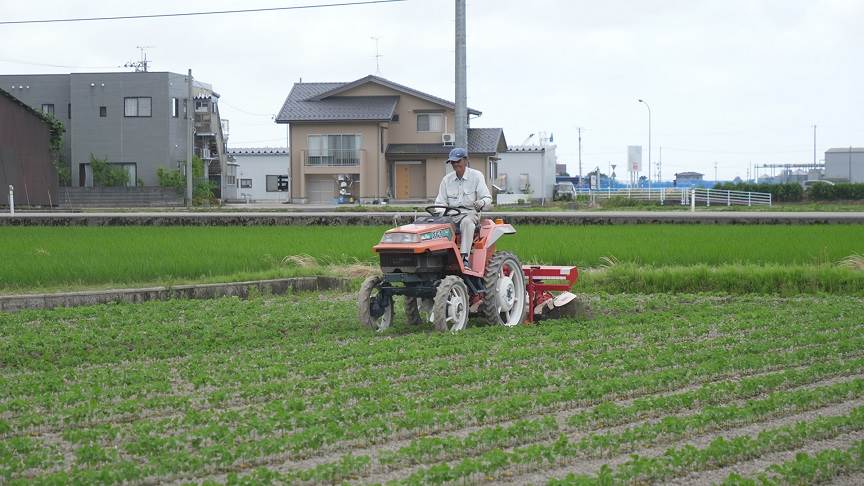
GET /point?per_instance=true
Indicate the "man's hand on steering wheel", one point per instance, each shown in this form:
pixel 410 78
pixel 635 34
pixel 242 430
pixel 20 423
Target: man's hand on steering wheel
pixel 448 210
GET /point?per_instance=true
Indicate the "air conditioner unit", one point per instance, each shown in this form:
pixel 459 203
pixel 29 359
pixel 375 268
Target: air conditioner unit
pixel 448 138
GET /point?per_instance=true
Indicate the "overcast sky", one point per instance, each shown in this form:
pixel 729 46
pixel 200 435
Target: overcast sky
pixel 729 81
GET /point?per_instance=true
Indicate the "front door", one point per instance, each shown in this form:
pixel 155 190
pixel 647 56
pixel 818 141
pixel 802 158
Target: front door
pixel 410 180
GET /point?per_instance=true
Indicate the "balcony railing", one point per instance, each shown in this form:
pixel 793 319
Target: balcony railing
pixel 333 158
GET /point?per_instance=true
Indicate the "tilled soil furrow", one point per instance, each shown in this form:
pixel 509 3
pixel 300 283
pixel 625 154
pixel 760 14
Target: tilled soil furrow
pixel 350 372
pixel 203 404
pixel 284 463
pixel 699 441
pixel 750 468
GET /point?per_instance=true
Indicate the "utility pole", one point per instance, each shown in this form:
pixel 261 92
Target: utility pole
pixel 461 78
pixel 190 141
pixel 715 172
pixel 660 165
pixel 580 156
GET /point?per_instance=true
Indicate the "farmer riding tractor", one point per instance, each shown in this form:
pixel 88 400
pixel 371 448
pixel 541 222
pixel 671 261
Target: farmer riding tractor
pixel 421 261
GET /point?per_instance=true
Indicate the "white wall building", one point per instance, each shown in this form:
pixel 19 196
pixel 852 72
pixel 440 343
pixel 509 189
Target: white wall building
pixel 845 164
pixel 257 172
pixel 527 171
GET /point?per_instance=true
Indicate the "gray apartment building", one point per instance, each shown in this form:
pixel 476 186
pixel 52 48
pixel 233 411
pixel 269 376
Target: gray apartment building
pixel 135 120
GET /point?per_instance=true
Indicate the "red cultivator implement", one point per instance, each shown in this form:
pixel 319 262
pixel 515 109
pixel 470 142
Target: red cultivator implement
pixel 542 281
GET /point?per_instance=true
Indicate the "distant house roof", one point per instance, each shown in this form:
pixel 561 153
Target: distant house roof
pixel 846 150
pixel 689 174
pixel 481 141
pixel 526 148
pixel 258 151
pixel 322 102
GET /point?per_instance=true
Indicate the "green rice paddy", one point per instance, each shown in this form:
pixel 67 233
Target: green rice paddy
pixel 52 257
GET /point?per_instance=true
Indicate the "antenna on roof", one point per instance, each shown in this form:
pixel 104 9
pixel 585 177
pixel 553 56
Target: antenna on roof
pixel 378 56
pixel 141 65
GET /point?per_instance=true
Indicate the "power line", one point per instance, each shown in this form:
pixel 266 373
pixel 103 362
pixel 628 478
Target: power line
pixel 241 110
pixel 13 61
pixel 189 14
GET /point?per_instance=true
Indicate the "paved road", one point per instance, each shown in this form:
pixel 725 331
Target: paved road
pixel 340 218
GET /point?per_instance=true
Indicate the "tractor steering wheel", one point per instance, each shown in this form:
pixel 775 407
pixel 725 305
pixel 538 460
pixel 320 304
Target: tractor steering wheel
pixel 448 210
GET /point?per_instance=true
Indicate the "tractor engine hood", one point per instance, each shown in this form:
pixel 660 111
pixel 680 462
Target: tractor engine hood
pixel 417 238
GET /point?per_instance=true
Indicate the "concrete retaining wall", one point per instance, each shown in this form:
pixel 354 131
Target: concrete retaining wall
pixel 204 291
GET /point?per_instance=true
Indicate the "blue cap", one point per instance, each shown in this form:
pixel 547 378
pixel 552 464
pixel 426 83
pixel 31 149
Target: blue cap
pixel 457 154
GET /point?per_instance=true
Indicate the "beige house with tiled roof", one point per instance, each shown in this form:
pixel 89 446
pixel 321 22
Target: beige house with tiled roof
pixel 388 140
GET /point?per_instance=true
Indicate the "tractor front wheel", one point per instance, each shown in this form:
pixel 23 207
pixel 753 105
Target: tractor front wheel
pixel 450 307
pixel 374 308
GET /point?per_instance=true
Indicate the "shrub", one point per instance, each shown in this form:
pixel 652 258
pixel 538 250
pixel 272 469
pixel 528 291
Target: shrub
pixel 827 192
pixel 107 175
pixel 202 189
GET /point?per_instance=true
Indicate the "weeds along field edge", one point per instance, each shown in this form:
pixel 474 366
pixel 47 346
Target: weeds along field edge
pixel 49 257
pixel 292 389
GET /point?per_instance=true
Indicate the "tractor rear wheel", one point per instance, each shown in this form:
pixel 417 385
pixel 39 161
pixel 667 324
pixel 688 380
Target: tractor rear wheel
pixel 450 308
pixel 504 303
pixel 374 309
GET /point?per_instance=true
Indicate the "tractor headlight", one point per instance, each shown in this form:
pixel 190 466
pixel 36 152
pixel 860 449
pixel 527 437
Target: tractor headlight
pixel 400 238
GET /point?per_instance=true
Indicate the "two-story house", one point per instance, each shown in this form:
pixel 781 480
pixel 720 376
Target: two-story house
pixel 377 139
pixel 135 120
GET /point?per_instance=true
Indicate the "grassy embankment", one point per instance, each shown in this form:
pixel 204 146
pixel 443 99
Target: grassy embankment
pixel 641 258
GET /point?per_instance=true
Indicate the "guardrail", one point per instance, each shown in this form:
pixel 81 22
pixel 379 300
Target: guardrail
pixel 683 196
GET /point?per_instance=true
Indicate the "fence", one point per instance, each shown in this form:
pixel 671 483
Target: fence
pixel 668 195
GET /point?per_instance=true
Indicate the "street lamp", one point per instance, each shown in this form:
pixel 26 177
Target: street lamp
pixel 649 144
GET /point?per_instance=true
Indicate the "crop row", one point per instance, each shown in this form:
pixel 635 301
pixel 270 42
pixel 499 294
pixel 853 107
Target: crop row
pixel 149 439
pixel 190 400
pixel 607 372
pixel 720 452
pixel 807 468
pixel 668 429
pixel 164 454
pixel 251 369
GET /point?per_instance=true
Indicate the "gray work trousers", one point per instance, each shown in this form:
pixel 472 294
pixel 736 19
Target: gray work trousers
pixel 467 224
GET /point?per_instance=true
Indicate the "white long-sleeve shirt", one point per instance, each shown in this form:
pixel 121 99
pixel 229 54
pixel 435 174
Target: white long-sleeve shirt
pixel 469 191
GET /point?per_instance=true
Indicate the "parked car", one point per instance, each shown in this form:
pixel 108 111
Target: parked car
pixel 564 191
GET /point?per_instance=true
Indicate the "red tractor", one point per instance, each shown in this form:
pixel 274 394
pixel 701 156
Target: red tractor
pixel 421 261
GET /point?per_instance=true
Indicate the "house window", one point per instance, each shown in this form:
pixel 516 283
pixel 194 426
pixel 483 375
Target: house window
pixel 130 168
pixel 137 107
pixel 175 107
pixel 430 122
pixel 48 108
pixel 103 111
pixel 246 183
pixel 69 110
pixel 202 106
pixel 334 150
